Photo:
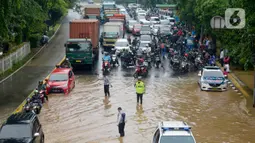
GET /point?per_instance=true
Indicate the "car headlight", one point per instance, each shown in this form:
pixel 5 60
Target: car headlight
pixel 64 85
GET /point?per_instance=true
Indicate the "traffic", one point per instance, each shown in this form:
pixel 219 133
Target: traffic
pixel 158 74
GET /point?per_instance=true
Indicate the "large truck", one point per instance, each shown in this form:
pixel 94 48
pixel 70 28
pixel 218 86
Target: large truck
pixel 112 31
pixel 82 46
pixel 92 11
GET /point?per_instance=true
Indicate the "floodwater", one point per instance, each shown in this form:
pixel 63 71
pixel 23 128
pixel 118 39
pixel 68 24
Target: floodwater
pixel 86 116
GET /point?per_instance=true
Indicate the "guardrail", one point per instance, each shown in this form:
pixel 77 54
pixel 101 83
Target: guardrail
pixel 20 107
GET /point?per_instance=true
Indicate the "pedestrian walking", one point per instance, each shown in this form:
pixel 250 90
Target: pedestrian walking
pixel 121 121
pixel 222 57
pixel 140 90
pixel 106 86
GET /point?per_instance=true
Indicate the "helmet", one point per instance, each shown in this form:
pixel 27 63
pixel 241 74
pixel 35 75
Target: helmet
pixel 106 53
pixel 36 91
pixel 186 55
pixel 28 99
pixel 40 82
pixel 139 78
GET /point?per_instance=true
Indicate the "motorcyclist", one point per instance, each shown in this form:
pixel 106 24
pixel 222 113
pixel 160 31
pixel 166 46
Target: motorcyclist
pixel 42 87
pixel 129 39
pixel 106 57
pixel 36 98
pixel 134 42
pixel 212 60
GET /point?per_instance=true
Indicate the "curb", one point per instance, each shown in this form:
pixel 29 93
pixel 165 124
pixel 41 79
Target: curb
pixel 32 56
pixel 236 84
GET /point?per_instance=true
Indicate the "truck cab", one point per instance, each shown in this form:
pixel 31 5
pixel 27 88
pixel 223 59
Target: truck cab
pixel 112 31
pixel 79 51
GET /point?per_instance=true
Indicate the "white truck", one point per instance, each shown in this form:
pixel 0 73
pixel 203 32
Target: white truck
pixel 111 32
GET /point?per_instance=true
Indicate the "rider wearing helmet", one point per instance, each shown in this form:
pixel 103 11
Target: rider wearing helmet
pixel 42 87
pixel 107 58
pixel 134 42
pixel 37 98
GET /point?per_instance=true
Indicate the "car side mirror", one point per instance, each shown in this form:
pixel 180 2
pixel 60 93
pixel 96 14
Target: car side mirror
pixel 36 135
pixel 65 45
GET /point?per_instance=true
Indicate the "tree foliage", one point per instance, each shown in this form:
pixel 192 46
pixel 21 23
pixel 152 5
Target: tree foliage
pixel 19 19
pixel 239 42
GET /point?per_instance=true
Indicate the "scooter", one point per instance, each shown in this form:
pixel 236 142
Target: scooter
pixel 141 71
pixel 114 60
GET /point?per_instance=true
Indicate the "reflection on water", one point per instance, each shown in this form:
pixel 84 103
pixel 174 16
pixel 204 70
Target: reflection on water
pixel 83 117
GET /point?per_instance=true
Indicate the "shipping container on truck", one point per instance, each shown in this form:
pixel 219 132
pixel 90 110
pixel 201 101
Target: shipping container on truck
pixel 80 31
pixel 92 10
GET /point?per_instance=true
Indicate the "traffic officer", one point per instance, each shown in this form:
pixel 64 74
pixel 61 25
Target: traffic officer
pixel 121 122
pixel 140 90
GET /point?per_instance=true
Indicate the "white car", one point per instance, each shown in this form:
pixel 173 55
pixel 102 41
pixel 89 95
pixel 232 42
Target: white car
pixel 211 78
pixel 173 132
pixel 120 45
pixel 130 25
pixel 154 20
pixel 164 22
pixel 145 30
pixel 171 20
pixel 155 29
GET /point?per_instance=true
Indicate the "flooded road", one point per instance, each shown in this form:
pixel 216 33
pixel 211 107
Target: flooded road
pixel 86 116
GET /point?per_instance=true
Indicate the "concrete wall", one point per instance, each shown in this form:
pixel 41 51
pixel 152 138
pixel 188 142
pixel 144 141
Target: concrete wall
pixel 8 61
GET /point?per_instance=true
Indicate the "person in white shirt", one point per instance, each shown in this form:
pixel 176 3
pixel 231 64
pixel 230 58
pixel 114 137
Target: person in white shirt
pixel 222 57
pixel 121 122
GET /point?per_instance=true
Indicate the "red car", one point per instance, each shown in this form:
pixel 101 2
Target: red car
pixel 136 29
pixel 61 80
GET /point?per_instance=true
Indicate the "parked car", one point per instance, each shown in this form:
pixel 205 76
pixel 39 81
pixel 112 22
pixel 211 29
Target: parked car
pixel 120 45
pixel 145 30
pixel 211 78
pixel 173 132
pixel 61 80
pixel 136 29
pixel 155 29
pixel 22 128
pixel 130 25
pixel 154 20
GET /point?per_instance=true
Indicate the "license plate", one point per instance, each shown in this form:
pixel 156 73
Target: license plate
pixel 215 88
pixel 78 61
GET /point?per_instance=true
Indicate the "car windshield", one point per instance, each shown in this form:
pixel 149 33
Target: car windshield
pixel 81 47
pixel 137 26
pixel 145 38
pixel 143 44
pixel 177 139
pixel 109 6
pixel 212 73
pixel 132 23
pixel 155 19
pixel 121 44
pixel 145 28
pixel 110 35
pixel 16 131
pixel 58 77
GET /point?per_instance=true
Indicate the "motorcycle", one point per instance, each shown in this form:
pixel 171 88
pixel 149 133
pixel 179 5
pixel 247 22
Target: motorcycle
pixel 114 60
pixel 106 67
pixel 157 61
pixel 141 71
pixel 175 63
pixel 184 66
pixel 42 95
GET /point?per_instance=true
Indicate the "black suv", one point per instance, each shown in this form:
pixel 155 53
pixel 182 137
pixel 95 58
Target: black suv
pixel 22 128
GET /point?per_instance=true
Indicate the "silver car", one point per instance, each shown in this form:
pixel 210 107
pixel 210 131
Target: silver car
pixel 145 30
pixel 130 25
pixel 155 29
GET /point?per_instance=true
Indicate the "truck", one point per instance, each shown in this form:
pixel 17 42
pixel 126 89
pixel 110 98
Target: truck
pixel 82 47
pixel 112 31
pixel 92 11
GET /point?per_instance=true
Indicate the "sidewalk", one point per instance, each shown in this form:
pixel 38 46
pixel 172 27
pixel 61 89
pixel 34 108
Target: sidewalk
pixel 242 80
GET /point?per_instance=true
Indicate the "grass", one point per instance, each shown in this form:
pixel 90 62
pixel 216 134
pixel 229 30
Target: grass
pixel 16 66
pixel 24 60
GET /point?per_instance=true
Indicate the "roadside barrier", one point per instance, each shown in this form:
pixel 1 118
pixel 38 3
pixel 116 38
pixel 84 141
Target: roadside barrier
pixel 20 107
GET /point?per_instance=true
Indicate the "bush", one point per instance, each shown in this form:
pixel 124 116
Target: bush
pixel 34 40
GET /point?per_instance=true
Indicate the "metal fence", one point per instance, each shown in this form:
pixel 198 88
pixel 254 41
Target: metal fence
pixel 8 61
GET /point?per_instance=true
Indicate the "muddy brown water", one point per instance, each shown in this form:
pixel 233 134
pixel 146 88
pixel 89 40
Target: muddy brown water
pixel 86 116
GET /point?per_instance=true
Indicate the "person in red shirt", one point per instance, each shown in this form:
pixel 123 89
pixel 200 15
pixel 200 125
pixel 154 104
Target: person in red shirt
pixel 163 49
pixel 179 33
pixel 226 63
